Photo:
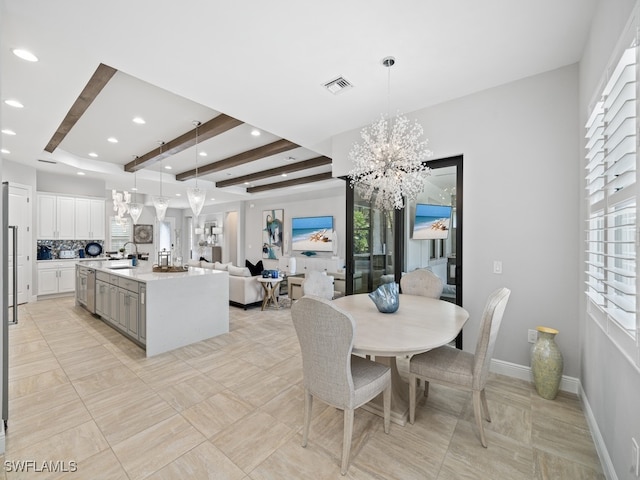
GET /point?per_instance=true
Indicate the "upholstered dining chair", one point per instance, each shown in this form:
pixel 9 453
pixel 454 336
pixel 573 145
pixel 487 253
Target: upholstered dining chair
pixel 318 284
pixel 452 367
pixel 330 372
pixel 421 282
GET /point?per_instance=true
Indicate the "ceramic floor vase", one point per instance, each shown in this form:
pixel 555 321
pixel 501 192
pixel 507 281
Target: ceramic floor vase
pixel 546 363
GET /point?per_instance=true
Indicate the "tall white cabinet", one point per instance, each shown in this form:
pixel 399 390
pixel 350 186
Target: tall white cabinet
pixel 56 217
pixel 89 219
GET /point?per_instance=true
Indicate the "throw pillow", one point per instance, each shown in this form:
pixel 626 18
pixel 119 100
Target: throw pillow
pixel 222 266
pixel 254 269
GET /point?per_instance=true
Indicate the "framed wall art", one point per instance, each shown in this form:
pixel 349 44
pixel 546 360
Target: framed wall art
pixel 272 233
pixel 143 234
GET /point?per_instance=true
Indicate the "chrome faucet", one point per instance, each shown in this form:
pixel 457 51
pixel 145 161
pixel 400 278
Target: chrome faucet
pixel 134 244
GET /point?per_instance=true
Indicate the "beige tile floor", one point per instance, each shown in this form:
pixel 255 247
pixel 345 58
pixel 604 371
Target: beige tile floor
pixel 231 408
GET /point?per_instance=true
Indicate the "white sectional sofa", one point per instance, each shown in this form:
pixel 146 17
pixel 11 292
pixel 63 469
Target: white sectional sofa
pixel 244 289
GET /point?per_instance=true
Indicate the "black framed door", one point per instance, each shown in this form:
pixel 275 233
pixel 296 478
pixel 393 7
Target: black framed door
pixel 381 248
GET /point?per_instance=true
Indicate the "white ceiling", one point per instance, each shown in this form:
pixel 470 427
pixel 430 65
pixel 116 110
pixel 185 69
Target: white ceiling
pixel 261 62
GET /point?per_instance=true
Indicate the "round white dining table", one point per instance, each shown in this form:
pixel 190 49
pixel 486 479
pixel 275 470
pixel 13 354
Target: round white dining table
pixel 419 325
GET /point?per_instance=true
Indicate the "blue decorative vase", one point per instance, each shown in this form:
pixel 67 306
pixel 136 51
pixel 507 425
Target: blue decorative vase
pixel 386 297
pixel 546 363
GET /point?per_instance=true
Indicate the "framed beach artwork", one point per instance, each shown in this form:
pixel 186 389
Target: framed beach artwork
pixel 431 222
pixel 312 234
pixel 272 232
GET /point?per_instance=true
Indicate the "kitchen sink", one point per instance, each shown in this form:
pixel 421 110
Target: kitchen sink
pixel 118 264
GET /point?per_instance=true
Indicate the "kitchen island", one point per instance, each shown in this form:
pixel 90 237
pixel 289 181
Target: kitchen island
pixel 159 311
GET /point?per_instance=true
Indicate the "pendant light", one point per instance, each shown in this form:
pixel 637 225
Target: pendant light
pixel 135 208
pixel 161 203
pixel 196 195
pixel 387 165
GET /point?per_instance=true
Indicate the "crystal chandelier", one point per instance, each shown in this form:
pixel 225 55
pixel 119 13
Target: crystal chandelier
pixel 388 163
pixel 120 205
pixel 135 208
pixel 160 203
pixel 196 195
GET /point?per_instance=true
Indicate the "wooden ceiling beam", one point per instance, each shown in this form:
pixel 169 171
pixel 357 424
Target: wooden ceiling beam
pixel 290 183
pixel 210 129
pixel 96 83
pixel 279 146
pixel 274 172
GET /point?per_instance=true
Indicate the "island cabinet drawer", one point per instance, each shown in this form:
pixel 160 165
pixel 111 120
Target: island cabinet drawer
pixel 128 284
pixel 103 277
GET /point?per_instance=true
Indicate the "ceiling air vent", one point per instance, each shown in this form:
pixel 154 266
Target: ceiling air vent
pixel 47 161
pixel 338 85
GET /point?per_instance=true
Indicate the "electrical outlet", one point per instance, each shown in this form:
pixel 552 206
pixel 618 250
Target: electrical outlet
pixel 497 266
pixel 532 336
pixel 635 457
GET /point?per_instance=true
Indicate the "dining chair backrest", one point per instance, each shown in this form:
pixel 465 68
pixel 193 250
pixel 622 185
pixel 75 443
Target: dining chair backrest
pixel 318 284
pixel 325 333
pixel 489 326
pixel 421 282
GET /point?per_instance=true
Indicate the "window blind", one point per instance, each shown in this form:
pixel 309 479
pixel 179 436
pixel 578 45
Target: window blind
pixel 120 233
pixel 611 144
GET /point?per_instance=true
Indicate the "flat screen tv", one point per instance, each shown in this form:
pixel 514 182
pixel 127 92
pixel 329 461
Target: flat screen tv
pixel 431 222
pixel 312 234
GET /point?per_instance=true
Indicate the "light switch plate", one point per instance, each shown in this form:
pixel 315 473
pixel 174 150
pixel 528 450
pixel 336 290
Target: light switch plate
pixel 497 266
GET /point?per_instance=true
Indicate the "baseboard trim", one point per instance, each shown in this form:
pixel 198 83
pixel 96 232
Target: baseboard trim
pixel 605 460
pixel 571 385
pixel 567 384
pixel 2 438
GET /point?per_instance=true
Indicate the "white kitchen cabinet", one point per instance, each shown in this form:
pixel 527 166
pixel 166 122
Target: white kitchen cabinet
pixel 142 313
pixel 56 217
pixel 113 305
pixel 89 219
pixel 56 277
pixel 102 299
pixel 61 217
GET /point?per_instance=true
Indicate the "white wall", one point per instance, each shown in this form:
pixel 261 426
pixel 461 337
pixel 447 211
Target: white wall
pixel 520 148
pixel 610 382
pixel 314 203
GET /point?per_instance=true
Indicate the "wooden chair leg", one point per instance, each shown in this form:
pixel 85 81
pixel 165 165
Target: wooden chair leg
pixel 477 411
pixel 308 402
pixel 412 398
pixel 386 403
pixel 346 439
pixel 485 406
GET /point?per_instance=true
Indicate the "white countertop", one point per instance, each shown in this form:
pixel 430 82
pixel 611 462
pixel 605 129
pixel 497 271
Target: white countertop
pixel 144 271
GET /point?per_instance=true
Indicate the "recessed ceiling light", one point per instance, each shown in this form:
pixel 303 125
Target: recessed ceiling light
pixel 6 131
pixel 283 175
pixel 139 120
pixel 14 103
pixel 168 167
pixel 4 150
pixel 255 132
pixel 203 154
pixel 25 55
pixel 134 189
pixel 93 154
pixel 246 183
pixel 80 173
pixel 212 199
pixel 112 140
pixel 178 194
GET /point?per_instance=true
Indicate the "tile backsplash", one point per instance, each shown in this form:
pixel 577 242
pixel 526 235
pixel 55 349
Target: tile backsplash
pixel 57 245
